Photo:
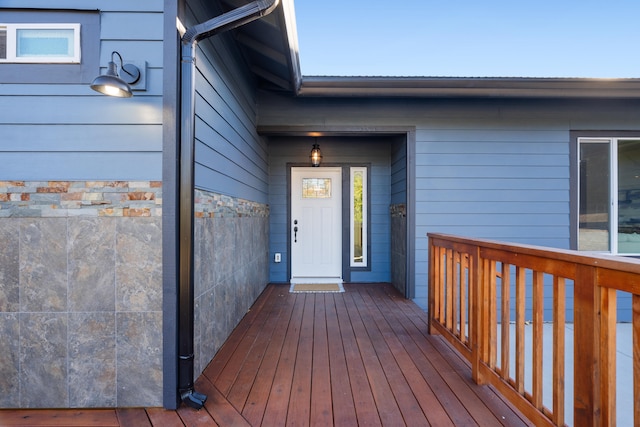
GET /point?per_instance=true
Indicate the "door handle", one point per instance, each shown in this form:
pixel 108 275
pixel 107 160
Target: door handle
pixel 295 234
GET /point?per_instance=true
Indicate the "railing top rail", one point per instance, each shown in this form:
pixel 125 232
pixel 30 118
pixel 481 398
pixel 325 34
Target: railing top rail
pixel 630 265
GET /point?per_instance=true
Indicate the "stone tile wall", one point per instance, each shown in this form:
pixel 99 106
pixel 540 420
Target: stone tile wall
pixel 399 247
pixel 80 294
pixel 231 267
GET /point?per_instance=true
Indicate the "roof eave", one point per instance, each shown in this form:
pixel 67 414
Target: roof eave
pixel 439 87
pixel 291 40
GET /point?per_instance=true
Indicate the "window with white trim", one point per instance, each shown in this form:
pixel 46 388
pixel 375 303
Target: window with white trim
pixel 609 195
pixel 358 217
pixel 40 43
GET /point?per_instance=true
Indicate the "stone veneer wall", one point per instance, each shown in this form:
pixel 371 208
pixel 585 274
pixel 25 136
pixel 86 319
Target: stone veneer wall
pixel 80 294
pixel 399 247
pixel 231 257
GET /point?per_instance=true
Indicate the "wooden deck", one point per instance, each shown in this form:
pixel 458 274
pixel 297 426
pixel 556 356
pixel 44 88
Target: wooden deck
pixel 362 357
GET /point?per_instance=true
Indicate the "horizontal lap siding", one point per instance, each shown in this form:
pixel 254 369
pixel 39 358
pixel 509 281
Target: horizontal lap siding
pixel 69 132
pixel 503 184
pixel 493 168
pixel 105 6
pixel 467 182
pixel 231 158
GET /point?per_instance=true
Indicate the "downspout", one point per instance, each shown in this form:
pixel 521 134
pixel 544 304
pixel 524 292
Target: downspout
pixel 192 36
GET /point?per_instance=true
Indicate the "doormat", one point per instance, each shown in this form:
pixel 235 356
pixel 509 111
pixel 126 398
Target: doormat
pixel 316 287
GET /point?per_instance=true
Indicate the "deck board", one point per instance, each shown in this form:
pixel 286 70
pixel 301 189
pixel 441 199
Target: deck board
pixel 344 411
pixel 245 379
pixel 255 405
pixel 192 418
pixel 321 401
pixel 163 417
pixel 412 364
pixel 362 357
pixel 391 361
pixel 133 417
pixel 299 409
pixel 365 406
pixel 278 397
pixel 59 417
pixel 388 409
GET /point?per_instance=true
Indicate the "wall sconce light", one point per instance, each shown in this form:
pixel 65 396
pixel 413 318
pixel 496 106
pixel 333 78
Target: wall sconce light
pixel 316 155
pixel 112 83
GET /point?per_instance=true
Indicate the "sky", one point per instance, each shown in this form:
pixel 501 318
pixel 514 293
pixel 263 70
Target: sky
pixel 469 38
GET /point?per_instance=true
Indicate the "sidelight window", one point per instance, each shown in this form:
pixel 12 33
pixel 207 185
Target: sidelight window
pixel 358 215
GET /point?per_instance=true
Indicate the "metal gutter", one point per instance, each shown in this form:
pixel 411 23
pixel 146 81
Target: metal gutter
pixel 452 87
pixel 227 21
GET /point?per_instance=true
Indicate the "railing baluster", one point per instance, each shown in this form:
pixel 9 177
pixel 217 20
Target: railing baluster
pixel 506 319
pixel 483 334
pixel 464 301
pixel 537 342
pixel 441 277
pixel 449 289
pixel 492 321
pixel 559 319
pixel 455 292
pixel 636 359
pixel 520 319
pixel 435 280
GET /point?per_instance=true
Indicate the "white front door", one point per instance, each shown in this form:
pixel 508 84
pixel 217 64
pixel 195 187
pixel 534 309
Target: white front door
pixel 316 225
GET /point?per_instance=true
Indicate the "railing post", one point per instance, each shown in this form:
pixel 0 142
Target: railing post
pixel 586 368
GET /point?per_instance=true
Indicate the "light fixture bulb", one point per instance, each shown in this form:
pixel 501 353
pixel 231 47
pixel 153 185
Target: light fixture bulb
pixel 111 84
pixel 315 156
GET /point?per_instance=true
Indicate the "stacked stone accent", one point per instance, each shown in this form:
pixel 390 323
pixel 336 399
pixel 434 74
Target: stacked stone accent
pixel 399 247
pixel 210 205
pixel 44 199
pixel 231 267
pixel 80 294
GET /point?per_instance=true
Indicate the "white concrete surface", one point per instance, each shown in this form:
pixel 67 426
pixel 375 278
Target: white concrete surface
pixel 624 367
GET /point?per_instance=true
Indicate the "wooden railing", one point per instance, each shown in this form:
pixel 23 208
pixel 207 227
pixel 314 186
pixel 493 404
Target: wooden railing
pixel 482 296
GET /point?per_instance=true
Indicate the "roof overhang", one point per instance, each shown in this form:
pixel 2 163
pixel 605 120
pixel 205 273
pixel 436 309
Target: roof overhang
pixel 452 87
pixel 270 46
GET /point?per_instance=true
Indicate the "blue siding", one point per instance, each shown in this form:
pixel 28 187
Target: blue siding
pixel 491 183
pixel 69 132
pixel 468 191
pixel 231 158
pixel 496 169
pixel 335 151
pixel 108 6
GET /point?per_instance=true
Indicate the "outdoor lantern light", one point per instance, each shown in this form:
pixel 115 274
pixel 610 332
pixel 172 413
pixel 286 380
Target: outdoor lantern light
pixel 316 155
pixel 113 84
